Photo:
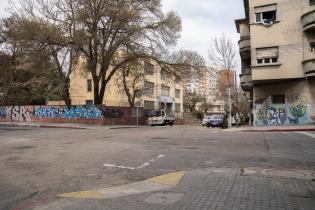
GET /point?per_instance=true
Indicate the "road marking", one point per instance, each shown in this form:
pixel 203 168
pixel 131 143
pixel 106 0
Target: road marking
pixel 146 164
pixel 171 179
pixel 286 133
pixel 307 134
pixel 158 183
pixel 116 166
pixel 83 195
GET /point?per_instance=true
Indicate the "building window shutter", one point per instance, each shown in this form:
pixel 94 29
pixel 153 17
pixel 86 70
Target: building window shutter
pixel 262 53
pixel 266 8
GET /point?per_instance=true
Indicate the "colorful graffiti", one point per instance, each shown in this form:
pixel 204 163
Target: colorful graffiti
pixel 3 112
pixel 297 111
pixel 48 112
pixel 20 113
pixel 281 114
pixel 82 112
pixel 73 112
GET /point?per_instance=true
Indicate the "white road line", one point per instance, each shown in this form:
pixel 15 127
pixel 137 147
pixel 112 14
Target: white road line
pixel 115 166
pixel 307 134
pixel 133 168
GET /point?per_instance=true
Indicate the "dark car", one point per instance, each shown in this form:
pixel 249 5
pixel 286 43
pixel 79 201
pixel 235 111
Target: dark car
pixel 219 120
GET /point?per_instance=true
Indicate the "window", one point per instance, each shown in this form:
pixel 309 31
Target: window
pixel 89 102
pixel 278 99
pixel 266 14
pixel 148 105
pixel 177 93
pixel 177 80
pixel 312 46
pixel 312 2
pixel 165 91
pixel 148 68
pixel 267 55
pixel 148 88
pixel 165 76
pixel 178 107
pixel 89 85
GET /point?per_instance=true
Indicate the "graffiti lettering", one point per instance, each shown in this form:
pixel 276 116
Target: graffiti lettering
pixel 21 114
pixel 82 112
pixel 48 112
pixel 3 113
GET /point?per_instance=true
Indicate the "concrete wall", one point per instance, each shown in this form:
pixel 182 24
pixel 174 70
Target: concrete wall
pixel 298 108
pixel 102 115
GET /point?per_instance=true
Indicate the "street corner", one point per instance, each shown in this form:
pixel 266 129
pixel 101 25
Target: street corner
pixel 171 179
pixel 91 194
pixel 157 183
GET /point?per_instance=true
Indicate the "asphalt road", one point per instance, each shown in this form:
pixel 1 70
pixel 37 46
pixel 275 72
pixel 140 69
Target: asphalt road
pixel 42 162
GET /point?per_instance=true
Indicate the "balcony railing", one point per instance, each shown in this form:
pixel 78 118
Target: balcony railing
pixel 246 82
pixel 244 45
pixel 308 21
pixel 309 62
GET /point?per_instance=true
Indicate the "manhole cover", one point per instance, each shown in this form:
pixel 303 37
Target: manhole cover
pixel 285 173
pixel 164 198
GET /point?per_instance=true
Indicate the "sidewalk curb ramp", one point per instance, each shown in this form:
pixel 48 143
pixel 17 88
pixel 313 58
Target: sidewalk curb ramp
pixel 162 182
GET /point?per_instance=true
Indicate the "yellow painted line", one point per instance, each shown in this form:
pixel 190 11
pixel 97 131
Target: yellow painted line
pixel 83 194
pixel 171 179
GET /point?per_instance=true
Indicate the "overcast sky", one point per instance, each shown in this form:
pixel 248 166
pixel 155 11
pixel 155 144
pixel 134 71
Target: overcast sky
pixel 202 20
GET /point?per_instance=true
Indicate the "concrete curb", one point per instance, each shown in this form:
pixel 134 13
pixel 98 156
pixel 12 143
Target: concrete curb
pixel 162 182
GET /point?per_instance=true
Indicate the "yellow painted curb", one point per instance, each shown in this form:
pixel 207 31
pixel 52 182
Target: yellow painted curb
pixel 83 194
pixel 171 179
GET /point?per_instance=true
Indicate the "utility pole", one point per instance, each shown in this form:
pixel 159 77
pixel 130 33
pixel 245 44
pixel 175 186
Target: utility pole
pixel 230 108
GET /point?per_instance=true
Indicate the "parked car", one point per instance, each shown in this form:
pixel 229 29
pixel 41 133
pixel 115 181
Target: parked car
pixel 160 117
pixel 219 120
pixel 205 120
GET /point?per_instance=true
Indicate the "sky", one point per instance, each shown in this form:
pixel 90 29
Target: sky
pixel 201 20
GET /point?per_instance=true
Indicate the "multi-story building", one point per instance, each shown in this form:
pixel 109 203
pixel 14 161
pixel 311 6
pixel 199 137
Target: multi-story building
pixel 159 89
pixel 206 84
pixel 277 45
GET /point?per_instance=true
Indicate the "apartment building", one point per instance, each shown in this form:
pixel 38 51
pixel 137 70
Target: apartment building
pixel 277 49
pixel 159 89
pixel 206 84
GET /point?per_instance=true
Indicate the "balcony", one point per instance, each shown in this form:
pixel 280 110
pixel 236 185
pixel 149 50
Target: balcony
pixel 308 21
pixel 244 45
pixel 309 62
pixel 246 82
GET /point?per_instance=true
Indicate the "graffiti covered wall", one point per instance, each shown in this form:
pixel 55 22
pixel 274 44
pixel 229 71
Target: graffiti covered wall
pixel 30 113
pixel 90 114
pixel 282 114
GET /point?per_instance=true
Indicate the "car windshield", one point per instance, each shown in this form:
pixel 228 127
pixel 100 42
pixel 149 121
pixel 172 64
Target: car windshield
pixel 155 114
pixel 217 117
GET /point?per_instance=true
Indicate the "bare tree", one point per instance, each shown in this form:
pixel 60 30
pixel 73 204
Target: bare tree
pixel 191 99
pixel 222 54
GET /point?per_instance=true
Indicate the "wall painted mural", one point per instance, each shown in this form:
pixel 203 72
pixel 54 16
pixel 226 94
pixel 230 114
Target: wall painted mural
pixel 281 114
pixel 27 113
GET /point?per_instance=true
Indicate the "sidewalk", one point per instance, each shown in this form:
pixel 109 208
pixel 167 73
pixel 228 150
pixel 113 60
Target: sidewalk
pixel 272 128
pixel 65 125
pixel 224 189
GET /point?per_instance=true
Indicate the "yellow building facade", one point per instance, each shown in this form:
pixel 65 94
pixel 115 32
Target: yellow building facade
pixel 159 88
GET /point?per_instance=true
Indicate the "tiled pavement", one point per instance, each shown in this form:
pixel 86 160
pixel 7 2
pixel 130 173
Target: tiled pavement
pixel 214 189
